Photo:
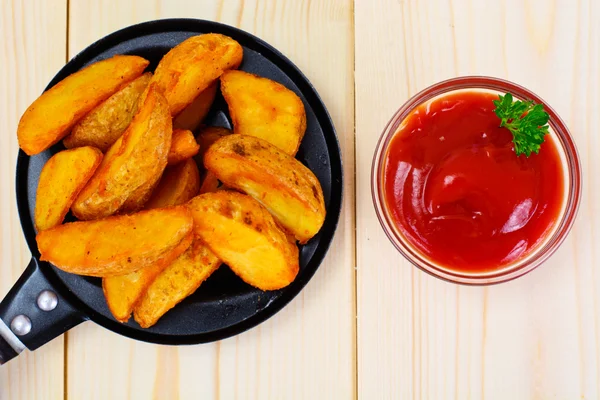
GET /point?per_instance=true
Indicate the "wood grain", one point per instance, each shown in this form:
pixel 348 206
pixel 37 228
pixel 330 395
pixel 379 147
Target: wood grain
pixel 417 337
pixel 537 337
pixel 305 351
pixel 33 50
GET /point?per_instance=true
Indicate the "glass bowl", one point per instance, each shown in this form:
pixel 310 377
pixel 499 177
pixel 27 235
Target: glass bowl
pixel 572 184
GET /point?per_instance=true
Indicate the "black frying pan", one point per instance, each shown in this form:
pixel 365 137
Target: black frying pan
pixel 224 305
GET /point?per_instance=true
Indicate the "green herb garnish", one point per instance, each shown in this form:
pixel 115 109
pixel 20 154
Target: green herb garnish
pixel 528 123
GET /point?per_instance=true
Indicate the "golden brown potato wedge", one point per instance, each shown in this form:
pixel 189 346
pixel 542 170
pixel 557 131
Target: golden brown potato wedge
pixel 183 146
pixel 243 234
pixel 192 116
pixel 62 178
pixel 175 283
pixel 138 198
pixel 112 151
pixel 122 292
pixel 107 122
pixel 52 115
pixel 209 183
pixel 178 185
pixel 133 165
pixel 208 135
pixel 289 190
pixel 193 65
pixel 116 245
pixel 265 109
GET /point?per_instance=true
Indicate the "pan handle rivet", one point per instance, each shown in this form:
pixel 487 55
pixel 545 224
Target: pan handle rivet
pixel 47 300
pixel 21 325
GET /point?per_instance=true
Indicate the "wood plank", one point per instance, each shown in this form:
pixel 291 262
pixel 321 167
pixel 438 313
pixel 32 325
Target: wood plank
pixel 33 50
pixel 536 337
pixel 307 350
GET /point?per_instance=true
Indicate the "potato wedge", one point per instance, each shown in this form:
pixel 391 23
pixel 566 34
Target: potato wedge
pixel 107 122
pixel 138 198
pixel 209 183
pixel 122 292
pixel 208 135
pixel 289 190
pixel 49 118
pixel 192 116
pixel 175 283
pixel 178 185
pixel 62 178
pixel 116 245
pixel 112 152
pixel 243 234
pixel 133 165
pixel 265 109
pixel 193 65
pixel 183 146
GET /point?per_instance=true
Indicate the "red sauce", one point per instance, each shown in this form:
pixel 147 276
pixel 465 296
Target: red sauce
pixel 458 192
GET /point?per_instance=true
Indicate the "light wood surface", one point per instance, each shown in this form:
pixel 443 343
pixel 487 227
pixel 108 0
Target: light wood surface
pixel 33 50
pixel 395 332
pixel 536 337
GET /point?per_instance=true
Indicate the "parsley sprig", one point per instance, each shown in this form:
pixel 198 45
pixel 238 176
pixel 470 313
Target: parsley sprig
pixel 528 123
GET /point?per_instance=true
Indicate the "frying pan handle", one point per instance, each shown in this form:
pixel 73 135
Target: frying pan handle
pixel 33 313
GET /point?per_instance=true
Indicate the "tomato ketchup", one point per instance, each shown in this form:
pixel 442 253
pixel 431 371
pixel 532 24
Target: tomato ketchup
pixel 458 192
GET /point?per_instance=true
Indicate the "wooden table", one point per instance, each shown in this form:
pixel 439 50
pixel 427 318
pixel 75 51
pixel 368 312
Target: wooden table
pixel 368 325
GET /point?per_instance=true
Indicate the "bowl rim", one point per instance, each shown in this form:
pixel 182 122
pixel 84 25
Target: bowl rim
pixel 573 182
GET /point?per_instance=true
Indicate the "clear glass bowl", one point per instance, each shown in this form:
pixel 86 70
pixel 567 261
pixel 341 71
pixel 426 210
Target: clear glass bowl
pixel 572 184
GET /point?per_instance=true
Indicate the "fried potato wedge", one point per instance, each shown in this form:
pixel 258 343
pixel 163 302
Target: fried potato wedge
pixel 138 198
pixel 289 190
pixel 107 122
pixel 112 151
pixel 192 116
pixel 178 185
pixel 243 234
pixel 209 183
pixel 49 118
pixel 175 283
pixel 193 65
pixel 116 245
pixel 132 166
pixel 123 292
pixel 62 178
pixel 183 146
pixel 208 135
pixel 265 109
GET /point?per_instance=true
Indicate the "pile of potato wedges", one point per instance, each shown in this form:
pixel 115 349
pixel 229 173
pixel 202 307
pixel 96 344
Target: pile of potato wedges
pixel 161 200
